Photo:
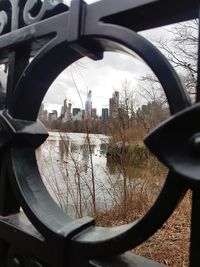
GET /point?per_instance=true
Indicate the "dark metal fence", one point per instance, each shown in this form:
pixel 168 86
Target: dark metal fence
pixel 56 35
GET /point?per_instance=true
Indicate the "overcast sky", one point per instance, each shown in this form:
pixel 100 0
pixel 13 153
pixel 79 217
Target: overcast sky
pixel 103 77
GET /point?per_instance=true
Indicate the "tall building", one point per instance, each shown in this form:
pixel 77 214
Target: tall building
pixel 65 106
pixel 75 111
pixel 53 115
pixel 79 116
pixel 114 105
pixel 66 111
pixel 62 113
pixel 43 113
pixel 104 113
pixel 94 113
pixel 69 111
pixel 88 105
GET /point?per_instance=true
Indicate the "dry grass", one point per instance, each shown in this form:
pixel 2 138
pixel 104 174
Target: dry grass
pixel 135 206
pixel 170 245
pixel 130 135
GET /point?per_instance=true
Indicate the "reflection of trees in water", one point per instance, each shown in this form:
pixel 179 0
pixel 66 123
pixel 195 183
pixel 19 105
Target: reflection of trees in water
pixel 103 149
pixel 67 149
pixel 86 151
pixel 85 148
pixel 77 154
pixel 112 167
pixel 147 177
pixel 63 149
pixel 74 147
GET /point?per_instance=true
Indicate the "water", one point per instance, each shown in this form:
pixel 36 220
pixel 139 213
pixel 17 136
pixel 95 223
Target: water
pixel 78 174
pixel 74 168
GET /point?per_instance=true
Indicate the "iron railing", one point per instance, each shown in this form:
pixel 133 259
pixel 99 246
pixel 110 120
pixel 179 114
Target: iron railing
pixel 56 35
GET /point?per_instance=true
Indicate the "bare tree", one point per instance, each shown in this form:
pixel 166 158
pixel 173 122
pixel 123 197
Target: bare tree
pixel 151 90
pixel 153 106
pixel 127 103
pixel 180 45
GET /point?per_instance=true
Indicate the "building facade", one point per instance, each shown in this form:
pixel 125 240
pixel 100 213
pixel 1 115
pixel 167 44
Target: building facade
pixel 104 113
pixel 88 105
pixel 114 105
pixel 66 111
pixel 75 111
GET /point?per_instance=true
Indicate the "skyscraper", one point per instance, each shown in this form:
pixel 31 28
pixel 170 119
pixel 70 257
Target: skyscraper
pixel 75 111
pixel 114 105
pixel 53 115
pixel 88 105
pixel 69 111
pixel 94 113
pixel 104 113
pixel 66 111
pixel 62 113
pixel 65 106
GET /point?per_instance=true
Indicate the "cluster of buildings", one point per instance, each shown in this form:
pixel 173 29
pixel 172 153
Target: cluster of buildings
pixel 68 113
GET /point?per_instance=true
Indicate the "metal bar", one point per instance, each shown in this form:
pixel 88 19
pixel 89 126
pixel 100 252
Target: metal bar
pixel 125 260
pixel 17 229
pixel 49 235
pixel 33 31
pixel 8 202
pixel 155 14
pixel 18 60
pixel 12 55
pixel 143 15
pixel 124 13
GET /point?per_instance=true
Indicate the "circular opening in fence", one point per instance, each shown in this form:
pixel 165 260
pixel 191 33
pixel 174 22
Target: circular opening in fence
pixel 94 161
pixel 119 123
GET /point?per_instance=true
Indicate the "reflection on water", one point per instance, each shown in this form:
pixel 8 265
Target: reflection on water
pixel 69 163
pixel 76 172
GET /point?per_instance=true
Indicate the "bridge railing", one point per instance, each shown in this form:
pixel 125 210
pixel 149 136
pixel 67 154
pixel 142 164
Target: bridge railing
pixel 55 35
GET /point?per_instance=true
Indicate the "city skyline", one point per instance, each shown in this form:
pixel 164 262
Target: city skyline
pixel 103 77
pixel 67 112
